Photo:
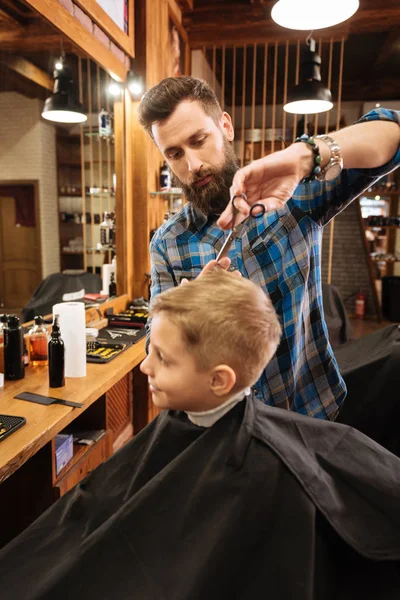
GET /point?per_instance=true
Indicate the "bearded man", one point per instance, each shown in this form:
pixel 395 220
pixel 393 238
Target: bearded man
pixel 281 250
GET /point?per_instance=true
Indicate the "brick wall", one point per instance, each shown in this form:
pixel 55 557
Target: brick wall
pixel 349 262
pixel 28 152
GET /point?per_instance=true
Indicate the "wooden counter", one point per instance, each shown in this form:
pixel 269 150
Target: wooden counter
pixel 43 423
pixel 116 402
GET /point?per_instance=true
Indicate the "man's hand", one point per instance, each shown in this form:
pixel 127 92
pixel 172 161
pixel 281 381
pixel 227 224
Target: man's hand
pixel 224 264
pixel 270 180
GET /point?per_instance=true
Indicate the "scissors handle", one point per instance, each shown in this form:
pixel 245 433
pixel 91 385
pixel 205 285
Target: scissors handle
pixel 255 206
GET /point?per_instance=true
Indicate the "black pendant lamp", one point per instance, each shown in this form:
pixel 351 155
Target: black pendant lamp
pixel 310 96
pixel 63 105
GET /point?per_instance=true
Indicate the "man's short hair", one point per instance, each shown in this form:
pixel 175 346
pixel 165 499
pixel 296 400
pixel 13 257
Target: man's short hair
pixel 224 320
pixel 162 99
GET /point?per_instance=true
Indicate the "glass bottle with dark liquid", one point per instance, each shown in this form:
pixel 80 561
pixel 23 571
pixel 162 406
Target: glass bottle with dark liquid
pixel 56 356
pixel 112 288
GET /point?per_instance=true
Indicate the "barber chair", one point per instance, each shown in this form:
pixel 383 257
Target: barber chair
pixel 370 367
pixel 53 289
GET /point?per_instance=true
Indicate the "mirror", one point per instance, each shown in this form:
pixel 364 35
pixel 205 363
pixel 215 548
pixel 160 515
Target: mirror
pixel 56 180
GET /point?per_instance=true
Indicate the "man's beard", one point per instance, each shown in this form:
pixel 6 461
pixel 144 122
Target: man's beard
pixel 214 196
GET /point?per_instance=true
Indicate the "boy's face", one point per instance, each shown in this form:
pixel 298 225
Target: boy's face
pixel 200 154
pixel 175 381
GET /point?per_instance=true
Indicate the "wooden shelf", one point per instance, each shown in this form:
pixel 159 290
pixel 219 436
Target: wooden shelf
pixel 70 223
pixel 76 163
pixel 79 452
pixel 386 260
pixel 381 193
pixel 382 227
pixel 65 253
pixel 71 195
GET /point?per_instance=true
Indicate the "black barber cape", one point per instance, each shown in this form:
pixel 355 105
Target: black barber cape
pixel 266 504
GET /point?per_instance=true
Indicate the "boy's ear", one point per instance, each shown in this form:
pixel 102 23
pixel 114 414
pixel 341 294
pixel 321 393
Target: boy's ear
pixel 223 379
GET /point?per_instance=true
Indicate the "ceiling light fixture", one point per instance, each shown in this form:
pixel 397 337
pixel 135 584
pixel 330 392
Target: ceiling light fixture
pixel 310 96
pixel 312 14
pixel 134 84
pixel 63 105
pixel 114 89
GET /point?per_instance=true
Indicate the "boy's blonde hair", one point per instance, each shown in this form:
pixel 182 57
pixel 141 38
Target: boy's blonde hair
pixel 224 320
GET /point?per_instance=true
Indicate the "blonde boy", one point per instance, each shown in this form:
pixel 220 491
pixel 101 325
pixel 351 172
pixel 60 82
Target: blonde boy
pixel 210 340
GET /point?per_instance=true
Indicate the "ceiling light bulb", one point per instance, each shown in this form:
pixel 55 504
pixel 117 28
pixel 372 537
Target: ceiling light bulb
pixel 136 88
pixel 312 14
pixel 114 89
pixel 58 65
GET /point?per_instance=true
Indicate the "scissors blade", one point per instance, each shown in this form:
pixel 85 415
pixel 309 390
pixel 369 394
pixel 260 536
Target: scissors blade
pixel 226 245
pixel 235 233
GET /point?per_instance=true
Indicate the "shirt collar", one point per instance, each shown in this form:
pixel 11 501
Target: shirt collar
pixel 207 418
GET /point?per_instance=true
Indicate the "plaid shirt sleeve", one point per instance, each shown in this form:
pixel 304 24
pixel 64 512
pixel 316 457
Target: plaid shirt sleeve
pixel 324 200
pixel 162 276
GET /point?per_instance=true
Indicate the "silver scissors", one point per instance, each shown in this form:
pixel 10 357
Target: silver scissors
pixel 237 230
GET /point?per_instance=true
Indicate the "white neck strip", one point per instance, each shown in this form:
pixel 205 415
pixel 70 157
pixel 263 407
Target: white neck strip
pixel 207 418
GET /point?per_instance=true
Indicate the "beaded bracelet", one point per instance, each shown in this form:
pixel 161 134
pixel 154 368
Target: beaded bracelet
pixel 317 157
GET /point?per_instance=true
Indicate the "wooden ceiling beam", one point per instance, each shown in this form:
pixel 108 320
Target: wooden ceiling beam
pixel 19 10
pixel 255 34
pixel 28 40
pixel 7 20
pixel 374 20
pixel 27 70
pixel 186 5
pixel 175 11
pixel 70 27
pixel 229 24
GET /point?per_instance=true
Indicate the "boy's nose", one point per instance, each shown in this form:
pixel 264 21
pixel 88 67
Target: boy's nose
pixel 145 366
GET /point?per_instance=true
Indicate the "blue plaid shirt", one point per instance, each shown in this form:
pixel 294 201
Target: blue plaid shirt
pixel 281 252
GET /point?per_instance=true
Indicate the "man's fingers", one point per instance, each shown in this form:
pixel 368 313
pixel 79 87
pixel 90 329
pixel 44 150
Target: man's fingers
pixel 184 280
pixel 271 204
pixel 229 218
pixel 223 263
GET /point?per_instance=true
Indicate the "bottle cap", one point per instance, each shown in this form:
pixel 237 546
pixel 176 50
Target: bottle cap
pixel 39 320
pixel 13 321
pixel 4 318
pixel 56 324
pixel 91 332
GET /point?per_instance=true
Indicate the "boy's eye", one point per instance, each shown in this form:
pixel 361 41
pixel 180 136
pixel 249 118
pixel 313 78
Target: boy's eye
pixel 161 359
pixel 199 142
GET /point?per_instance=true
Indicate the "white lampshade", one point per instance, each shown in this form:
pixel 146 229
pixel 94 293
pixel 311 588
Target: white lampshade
pixel 312 14
pixel 307 107
pixel 64 116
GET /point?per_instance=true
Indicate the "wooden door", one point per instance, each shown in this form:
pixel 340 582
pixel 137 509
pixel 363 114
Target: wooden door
pixel 20 264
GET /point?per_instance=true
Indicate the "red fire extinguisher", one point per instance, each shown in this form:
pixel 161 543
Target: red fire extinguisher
pixel 361 302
